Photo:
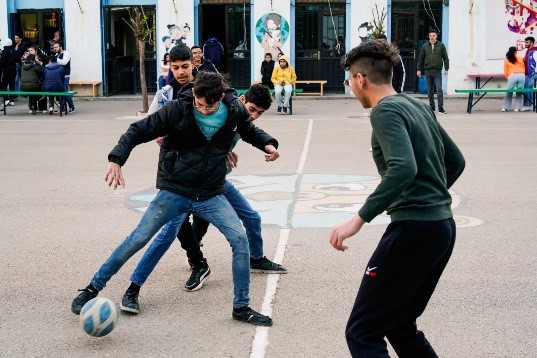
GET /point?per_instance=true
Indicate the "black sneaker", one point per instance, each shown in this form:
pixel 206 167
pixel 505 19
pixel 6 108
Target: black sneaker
pixel 264 265
pixel 200 272
pixel 442 111
pixel 279 109
pixel 246 314
pixel 72 110
pixel 85 295
pixel 284 109
pixel 129 302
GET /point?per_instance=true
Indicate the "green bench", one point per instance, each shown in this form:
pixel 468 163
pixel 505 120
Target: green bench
pixel 62 95
pixel 242 91
pixel 481 92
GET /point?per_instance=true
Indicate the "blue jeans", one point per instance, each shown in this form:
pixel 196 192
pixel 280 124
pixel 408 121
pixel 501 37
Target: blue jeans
pixel 249 217
pixel 69 99
pixel 515 80
pixel 434 81
pixel 283 101
pixel 530 80
pixel 167 206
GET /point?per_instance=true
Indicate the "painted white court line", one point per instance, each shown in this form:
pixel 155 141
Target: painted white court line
pixel 260 341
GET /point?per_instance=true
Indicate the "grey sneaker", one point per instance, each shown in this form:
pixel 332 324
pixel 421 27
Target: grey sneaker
pixel 246 314
pixel 264 265
pixel 200 271
pixel 85 295
pixel 129 302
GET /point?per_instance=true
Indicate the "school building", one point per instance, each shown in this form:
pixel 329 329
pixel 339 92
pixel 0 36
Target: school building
pixel 313 33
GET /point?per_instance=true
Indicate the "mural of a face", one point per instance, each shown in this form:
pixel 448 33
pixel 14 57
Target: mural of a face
pixel 272 31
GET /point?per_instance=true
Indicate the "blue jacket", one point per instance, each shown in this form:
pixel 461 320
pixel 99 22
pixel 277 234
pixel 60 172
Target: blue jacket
pixel 213 51
pixel 53 78
pixel 530 62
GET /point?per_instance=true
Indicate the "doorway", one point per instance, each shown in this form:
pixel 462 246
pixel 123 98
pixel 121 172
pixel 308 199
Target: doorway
pixel 411 22
pixel 318 29
pixel 235 38
pixel 121 68
pixel 38 26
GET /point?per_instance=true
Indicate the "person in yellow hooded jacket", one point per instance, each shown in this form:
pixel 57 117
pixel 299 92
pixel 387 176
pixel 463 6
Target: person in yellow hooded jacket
pixel 283 78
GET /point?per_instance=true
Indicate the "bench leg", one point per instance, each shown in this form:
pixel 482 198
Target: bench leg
pixel 291 104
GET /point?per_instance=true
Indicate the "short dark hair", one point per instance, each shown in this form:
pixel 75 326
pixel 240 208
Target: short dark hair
pixel 59 43
pixel 53 58
pixel 374 59
pixel 530 38
pixel 268 54
pixel 210 86
pixel 180 53
pixel 196 46
pixel 259 95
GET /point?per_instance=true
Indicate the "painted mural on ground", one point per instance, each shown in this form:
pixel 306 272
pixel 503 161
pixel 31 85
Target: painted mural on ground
pixel 305 201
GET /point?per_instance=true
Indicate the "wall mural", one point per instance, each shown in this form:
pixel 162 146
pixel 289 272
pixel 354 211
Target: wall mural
pixel 272 31
pixel 177 34
pixel 365 31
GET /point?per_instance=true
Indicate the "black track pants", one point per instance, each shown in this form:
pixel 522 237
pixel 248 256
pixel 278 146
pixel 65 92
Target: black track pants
pixel 398 282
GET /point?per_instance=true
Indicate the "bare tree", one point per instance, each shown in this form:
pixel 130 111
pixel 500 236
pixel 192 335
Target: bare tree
pixel 139 23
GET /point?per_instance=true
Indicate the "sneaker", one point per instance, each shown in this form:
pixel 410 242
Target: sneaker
pixel 246 314
pixel 284 109
pixel 129 302
pixel 525 109
pixel 30 111
pixel 45 111
pixel 503 109
pixel 85 295
pixel 72 110
pixel 11 103
pixel 442 111
pixel 34 112
pixel 200 272
pixel 50 111
pixel 264 265
pixel 517 110
pixel 279 109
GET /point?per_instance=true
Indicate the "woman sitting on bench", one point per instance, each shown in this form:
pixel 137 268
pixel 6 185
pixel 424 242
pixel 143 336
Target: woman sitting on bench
pixel 283 78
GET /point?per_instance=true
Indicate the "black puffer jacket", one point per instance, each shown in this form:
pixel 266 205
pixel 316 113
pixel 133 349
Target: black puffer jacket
pixel 189 164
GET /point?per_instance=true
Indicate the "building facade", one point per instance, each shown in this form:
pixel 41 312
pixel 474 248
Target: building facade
pixel 313 33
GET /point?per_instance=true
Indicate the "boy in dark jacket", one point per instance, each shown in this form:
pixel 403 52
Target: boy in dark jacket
pixel 199 127
pixel 8 64
pixel 53 80
pixel 267 66
pixel 31 76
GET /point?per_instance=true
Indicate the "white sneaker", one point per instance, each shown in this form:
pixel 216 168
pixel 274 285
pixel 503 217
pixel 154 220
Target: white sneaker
pixel 30 111
pixel 45 111
pixel 525 109
pixel 503 109
pixel 517 110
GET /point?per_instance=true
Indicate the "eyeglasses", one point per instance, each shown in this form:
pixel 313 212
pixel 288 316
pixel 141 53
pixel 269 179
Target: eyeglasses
pixel 209 109
pixel 348 81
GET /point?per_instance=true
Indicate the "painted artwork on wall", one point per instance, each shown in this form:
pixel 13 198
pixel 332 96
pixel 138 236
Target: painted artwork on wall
pixel 177 34
pixel 272 31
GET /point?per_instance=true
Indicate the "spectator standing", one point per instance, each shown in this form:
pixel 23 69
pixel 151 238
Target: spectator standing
pixel 8 64
pixel 51 43
pixel 53 80
pixel 514 71
pixel 64 59
pixel 31 76
pixel 530 61
pixel 283 78
pixel 214 51
pixel 19 48
pixel 200 63
pixel 433 56
pixel 164 69
pixel 267 67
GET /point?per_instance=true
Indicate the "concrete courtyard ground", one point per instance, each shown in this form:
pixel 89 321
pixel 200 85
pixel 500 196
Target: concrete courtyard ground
pixel 60 222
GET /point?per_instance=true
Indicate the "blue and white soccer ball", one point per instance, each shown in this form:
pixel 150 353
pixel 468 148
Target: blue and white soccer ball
pixel 98 317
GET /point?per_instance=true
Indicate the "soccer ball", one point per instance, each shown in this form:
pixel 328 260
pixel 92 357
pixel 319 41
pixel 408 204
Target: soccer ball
pixel 98 317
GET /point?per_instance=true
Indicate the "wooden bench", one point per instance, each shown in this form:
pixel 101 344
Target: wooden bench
pixel 62 95
pixel 94 85
pixel 242 91
pixel 481 92
pixel 321 83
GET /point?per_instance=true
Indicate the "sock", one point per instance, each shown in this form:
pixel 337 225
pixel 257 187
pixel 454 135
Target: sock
pixel 134 287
